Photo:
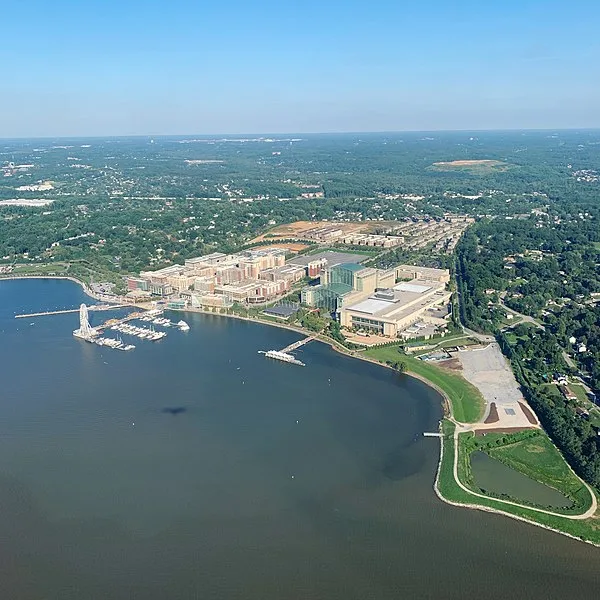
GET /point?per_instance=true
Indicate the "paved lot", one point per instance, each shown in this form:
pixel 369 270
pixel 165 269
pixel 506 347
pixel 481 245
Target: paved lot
pixel 490 372
pixel 333 258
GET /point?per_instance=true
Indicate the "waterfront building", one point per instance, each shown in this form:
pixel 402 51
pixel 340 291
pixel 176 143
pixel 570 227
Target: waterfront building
pixel 210 301
pixel 238 277
pixel 388 312
pixel 137 283
pixel 204 284
pixel 359 278
pixel 176 304
pixel 329 296
pixel 180 282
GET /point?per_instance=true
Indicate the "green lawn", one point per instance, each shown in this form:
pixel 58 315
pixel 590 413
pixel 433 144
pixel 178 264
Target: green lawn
pixel 580 392
pixel 588 529
pixel 467 402
pixel 459 340
pixel 41 269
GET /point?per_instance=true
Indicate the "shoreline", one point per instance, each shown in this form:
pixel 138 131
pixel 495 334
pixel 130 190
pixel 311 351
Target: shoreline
pixel 496 511
pixel 446 404
pixel 447 408
pixel 82 284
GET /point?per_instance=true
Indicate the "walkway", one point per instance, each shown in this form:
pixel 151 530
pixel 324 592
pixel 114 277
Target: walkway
pixel 69 310
pixel 297 344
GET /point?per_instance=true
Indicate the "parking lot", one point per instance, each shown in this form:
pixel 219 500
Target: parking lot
pixel 490 372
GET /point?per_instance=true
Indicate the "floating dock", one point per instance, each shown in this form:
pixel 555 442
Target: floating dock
pixel 283 356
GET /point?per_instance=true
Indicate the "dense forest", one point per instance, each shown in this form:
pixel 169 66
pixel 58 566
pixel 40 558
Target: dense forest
pixel 546 268
pixel 146 202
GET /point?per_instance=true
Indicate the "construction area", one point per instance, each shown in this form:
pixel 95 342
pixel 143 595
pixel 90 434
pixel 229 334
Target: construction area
pixel 412 234
pixel 488 370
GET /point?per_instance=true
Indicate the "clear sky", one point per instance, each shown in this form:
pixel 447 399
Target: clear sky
pixel 123 67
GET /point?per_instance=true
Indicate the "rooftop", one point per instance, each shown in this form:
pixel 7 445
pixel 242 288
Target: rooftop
pixel 412 287
pixel 337 288
pixel 354 267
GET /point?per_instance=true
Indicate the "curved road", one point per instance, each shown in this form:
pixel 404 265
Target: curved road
pixel 586 515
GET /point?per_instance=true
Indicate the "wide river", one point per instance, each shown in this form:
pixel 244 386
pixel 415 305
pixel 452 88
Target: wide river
pixel 275 481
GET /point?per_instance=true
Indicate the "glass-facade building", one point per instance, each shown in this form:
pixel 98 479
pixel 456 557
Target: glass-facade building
pixel 329 296
pixel 344 273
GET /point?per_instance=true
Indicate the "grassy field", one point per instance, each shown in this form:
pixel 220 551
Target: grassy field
pixel 588 529
pixel 81 270
pixel 41 269
pixel 467 402
pixel 449 342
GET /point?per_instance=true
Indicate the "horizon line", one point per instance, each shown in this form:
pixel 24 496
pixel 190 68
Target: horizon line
pixel 295 133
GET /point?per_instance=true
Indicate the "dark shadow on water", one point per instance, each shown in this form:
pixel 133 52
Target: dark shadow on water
pixel 174 410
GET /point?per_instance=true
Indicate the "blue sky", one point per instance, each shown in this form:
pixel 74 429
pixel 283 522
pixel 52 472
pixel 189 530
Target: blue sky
pixel 191 67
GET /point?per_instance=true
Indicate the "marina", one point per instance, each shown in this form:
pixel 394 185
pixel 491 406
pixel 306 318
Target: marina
pixel 144 333
pixel 93 334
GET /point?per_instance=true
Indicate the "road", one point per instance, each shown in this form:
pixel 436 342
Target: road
pixel 481 337
pixel 524 318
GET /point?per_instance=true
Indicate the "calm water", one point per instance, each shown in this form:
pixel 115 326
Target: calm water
pixel 494 476
pixel 277 482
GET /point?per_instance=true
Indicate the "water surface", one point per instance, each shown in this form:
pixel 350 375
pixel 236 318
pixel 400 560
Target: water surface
pixel 276 482
pixel 493 476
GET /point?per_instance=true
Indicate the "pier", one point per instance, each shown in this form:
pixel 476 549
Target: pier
pixel 432 434
pixel 297 344
pixel 284 355
pixel 97 307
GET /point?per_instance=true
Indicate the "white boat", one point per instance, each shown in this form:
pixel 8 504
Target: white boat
pixel 183 326
pixel 284 356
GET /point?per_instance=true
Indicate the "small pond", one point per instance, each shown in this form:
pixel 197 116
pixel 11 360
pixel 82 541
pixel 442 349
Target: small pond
pixel 493 476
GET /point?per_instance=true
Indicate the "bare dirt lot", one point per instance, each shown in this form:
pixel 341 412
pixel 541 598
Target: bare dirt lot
pixel 489 371
pixel 473 166
pixel 297 229
pixel 292 246
pixel 468 163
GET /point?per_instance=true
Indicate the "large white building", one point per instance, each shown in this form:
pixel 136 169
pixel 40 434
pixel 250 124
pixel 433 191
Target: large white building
pixel 389 311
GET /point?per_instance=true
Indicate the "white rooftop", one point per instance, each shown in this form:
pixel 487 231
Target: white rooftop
pixel 412 287
pixel 371 305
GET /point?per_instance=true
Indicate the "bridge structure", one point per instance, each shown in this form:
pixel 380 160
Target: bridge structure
pixel 95 307
pixel 297 344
